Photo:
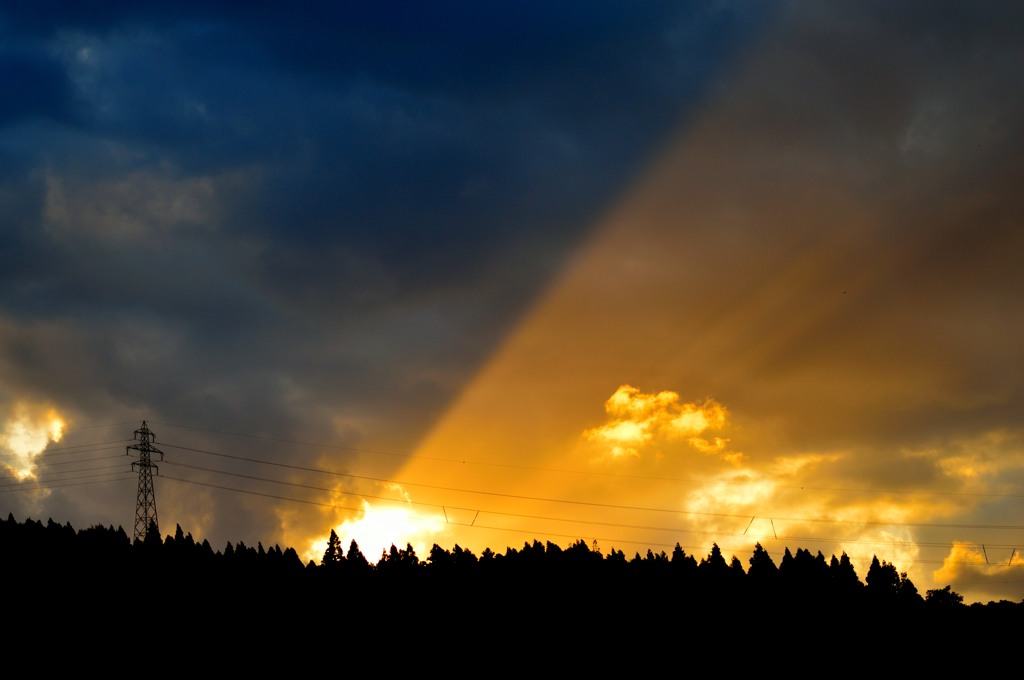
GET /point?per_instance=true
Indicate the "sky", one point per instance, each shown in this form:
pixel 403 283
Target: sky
pixel 636 274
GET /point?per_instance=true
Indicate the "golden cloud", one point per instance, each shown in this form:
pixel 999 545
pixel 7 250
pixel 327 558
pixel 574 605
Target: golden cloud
pixel 639 420
pixel 971 568
pixel 26 433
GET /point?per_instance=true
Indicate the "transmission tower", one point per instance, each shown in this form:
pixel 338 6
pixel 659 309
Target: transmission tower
pixel 145 507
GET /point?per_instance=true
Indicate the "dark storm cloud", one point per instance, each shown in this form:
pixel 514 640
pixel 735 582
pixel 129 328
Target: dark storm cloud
pixel 428 141
pixel 431 135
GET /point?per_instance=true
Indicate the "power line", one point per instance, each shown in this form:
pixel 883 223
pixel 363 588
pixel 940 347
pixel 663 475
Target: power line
pixel 553 500
pixel 674 530
pixel 539 517
pixel 592 504
pixel 53 475
pixel 420 457
pixel 68 449
pixel 258 493
pixel 44 461
pixel 26 488
pixel 447 488
pixel 578 536
pixel 44 465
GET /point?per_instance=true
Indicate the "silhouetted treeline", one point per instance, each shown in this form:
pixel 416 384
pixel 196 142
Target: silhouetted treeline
pixel 542 586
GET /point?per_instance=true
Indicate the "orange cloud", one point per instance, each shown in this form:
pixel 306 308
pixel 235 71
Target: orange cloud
pixel 971 568
pixel 639 420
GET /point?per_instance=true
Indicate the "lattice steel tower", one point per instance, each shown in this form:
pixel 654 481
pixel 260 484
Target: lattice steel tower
pixel 145 507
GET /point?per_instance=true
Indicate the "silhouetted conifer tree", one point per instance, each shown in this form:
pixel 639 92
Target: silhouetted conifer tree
pixel 356 560
pixel 333 555
pixel 714 565
pixel 684 569
pixel 763 570
pixel 465 560
pixel 846 586
pixel 438 559
pixel 907 592
pixel 582 564
pixel 882 582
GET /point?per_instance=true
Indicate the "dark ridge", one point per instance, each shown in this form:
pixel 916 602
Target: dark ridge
pixel 540 594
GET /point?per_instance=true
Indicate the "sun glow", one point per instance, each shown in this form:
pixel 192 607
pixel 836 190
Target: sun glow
pixel 26 433
pixel 740 492
pixel 377 529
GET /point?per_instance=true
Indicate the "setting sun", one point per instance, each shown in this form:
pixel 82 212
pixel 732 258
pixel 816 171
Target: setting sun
pixel 376 529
